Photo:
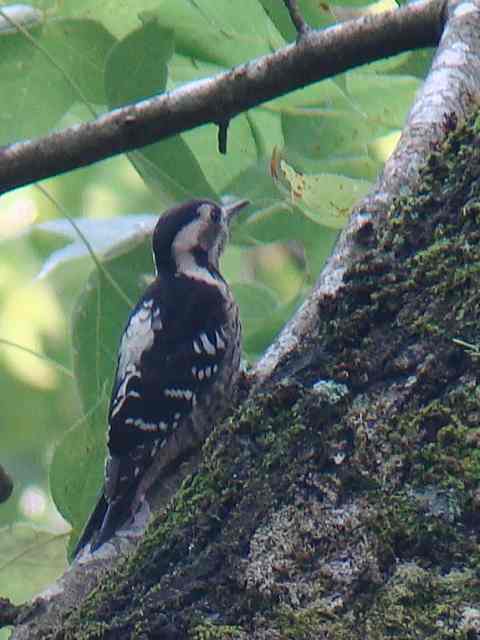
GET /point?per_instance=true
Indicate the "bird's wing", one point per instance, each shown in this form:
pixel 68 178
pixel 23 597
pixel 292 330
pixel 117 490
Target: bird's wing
pixel 165 364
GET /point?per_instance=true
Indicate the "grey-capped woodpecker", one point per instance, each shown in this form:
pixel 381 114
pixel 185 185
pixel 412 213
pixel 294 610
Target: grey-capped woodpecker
pixel 178 361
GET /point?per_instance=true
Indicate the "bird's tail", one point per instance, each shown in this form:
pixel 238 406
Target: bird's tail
pixel 94 524
pixel 118 502
pixel 106 519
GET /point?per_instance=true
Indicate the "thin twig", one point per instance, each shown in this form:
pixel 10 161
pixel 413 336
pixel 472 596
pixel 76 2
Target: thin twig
pixel 296 17
pixel 222 136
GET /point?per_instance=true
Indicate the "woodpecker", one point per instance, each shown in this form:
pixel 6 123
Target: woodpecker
pixel 178 361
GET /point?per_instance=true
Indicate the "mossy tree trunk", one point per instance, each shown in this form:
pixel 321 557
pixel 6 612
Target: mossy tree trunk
pixel 341 500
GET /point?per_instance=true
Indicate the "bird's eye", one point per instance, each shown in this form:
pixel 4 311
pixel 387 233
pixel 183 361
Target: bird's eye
pixel 216 215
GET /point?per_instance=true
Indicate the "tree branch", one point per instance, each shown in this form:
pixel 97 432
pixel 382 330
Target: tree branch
pixel 319 55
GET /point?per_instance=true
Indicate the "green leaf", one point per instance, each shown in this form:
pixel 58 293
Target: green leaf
pixel 278 14
pixel 329 94
pixel 145 53
pixel 225 34
pixel 261 334
pixel 119 17
pixel 266 130
pixel 397 94
pixel 243 148
pixel 82 448
pixel 323 133
pixel 168 167
pixel 256 301
pixel 32 553
pixel 328 198
pixel 182 69
pixel 325 198
pixel 257 304
pixel 220 169
pixel 393 64
pixel 331 130
pixel 65 63
pixel 276 219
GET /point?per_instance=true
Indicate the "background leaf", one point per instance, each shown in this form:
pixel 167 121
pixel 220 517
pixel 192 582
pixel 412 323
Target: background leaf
pixel 146 52
pixel 33 552
pixel 78 47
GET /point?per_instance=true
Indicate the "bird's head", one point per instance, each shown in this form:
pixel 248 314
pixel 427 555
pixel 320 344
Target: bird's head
pixel 193 233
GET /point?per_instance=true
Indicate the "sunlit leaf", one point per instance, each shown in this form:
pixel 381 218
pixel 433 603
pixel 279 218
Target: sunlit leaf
pixel 397 93
pixel 383 147
pixel 326 198
pixel 18 14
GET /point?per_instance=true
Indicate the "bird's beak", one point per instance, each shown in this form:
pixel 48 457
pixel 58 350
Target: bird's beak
pixel 232 209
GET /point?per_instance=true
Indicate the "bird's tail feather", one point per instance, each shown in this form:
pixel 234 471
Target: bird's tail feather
pixel 94 524
pixel 105 521
pixel 117 514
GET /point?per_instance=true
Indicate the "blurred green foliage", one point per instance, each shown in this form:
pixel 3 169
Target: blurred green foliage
pixel 301 160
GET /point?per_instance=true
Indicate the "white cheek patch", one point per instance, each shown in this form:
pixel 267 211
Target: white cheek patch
pixel 182 252
pixel 187 239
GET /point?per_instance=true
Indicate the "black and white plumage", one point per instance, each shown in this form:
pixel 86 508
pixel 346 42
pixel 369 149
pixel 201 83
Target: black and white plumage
pixel 178 360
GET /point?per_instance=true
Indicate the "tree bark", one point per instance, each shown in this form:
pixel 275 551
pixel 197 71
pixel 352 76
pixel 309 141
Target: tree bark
pixel 341 499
